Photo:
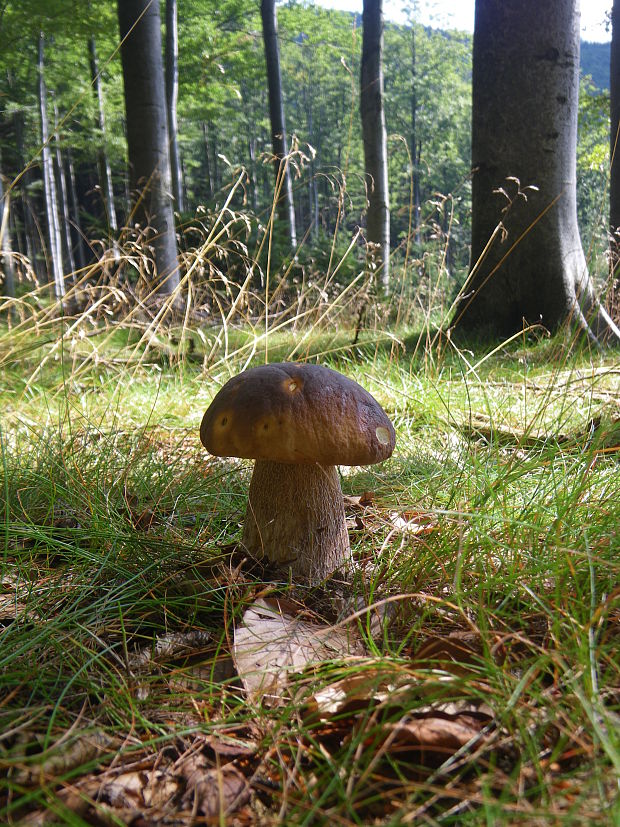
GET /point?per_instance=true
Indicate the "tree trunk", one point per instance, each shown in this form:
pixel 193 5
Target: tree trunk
pixel 147 132
pixel 613 299
pixel 61 188
pixel 208 168
pixel 30 229
pixel 172 92
pixel 105 171
pixel 49 184
pixel 375 137
pixel 286 207
pixel 524 136
pixel 7 269
pixel 413 142
pixel 75 209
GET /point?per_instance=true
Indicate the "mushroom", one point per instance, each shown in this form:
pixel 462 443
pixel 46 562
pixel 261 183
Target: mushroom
pixel 298 422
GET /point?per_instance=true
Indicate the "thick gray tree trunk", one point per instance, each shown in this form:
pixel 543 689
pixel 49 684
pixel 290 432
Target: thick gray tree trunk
pixel 105 171
pixel 614 179
pixel 49 183
pixel 276 116
pixel 172 93
pixel 524 136
pixel 147 132
pixel 375 136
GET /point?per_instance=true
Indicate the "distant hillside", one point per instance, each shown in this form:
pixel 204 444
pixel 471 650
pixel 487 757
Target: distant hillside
pixel 595 62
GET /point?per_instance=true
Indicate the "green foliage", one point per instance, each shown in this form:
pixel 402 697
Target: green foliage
pixel 117 534
pixel 224 127
pixel 593 168
pixel 595 63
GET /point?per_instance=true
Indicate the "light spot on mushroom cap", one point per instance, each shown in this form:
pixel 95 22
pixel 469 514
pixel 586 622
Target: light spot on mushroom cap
pixel 292 385
pixel 383 435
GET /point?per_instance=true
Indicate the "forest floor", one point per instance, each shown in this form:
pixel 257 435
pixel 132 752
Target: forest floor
pixel 469 666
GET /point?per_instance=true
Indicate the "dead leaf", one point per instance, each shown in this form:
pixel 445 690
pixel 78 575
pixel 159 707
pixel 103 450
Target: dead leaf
pixel 64 758
pixel 167 647
pixel 429 741
pixel 359 500
pixel 413 522
pixel 271 643
pixel 213 792
pixel 456 653
pixel 141 789
pixel 234 742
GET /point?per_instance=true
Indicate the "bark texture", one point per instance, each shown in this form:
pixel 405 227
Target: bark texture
pixel 614 179
pixel 63 200
pixel 147 131
pixel 105 171
pixel 7 270
pixel 276 116
pixel 49 182
pixel 172 93
pixel 295 516
pixel 524 134
pixel 374 136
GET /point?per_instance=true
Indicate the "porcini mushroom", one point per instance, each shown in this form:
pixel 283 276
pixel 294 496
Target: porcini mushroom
pixel 298 422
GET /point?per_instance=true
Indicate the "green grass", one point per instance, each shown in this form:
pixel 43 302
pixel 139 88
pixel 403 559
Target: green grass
pixel 117 530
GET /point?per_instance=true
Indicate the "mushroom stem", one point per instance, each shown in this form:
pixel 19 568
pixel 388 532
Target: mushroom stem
pixel 295 516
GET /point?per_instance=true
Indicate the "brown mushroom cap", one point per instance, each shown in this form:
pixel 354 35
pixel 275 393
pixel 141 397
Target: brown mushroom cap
pixel 290 412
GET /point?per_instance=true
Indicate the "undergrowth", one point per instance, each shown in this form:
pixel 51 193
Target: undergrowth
pixel 487 547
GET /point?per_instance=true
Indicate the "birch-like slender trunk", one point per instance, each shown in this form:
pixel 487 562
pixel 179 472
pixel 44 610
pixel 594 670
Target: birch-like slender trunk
pixel 103 162
pixel 63 195
pixel 375 138
pixel 413 142
pixel 207 160
pixel 75 212
pixel 172 93
pixel 613 299
pixel 6 247
pixel 30 227
pixel 286 208
pixel 49 184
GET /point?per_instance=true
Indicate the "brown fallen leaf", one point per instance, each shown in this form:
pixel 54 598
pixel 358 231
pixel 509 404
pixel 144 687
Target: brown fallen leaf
pixel 241 741
pixel 456 653
pixel 213 792
pixel 270 643
pixel 359 500
pixel 166 647
pixel 146 789
pixel 65 757
pixel 429 741
pixel 413 522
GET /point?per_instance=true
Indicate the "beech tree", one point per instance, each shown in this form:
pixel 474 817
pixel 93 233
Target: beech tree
pixel 7 270
pixel 105 171
pixel 172 93
pixel 528 265
pixel 276 116
pixel 49 181
pixel 147 131
pixel 614 154
pixel 374 135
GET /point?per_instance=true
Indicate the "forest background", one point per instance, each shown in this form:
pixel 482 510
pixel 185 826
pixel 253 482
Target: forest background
pixel 465 670
pixel 223 127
